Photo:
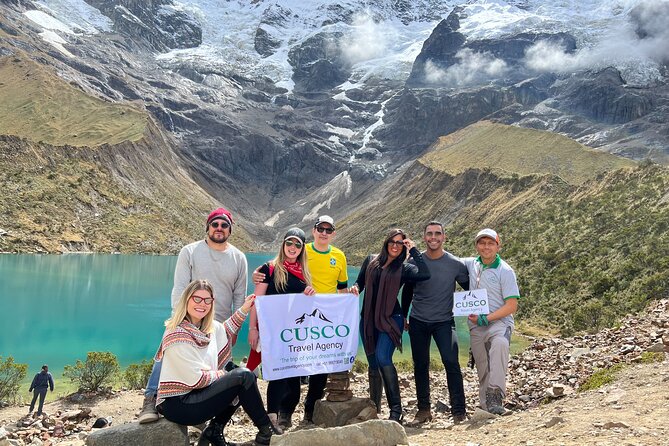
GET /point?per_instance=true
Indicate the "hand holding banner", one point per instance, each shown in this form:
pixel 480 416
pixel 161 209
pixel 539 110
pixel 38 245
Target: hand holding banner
pixel 307 335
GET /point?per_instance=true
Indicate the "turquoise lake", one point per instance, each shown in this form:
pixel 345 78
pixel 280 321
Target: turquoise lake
pixel 59 307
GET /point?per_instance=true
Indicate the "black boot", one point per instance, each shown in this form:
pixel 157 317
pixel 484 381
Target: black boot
pixel 285 420
pixel 265 433
pixel 213 435
pixel 375 387
pixel 392 387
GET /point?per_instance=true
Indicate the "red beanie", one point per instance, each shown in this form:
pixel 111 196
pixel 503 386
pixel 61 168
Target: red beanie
pixel 220 213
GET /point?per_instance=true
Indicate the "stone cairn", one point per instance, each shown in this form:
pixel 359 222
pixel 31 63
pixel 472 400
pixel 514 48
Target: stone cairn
pixel 338 387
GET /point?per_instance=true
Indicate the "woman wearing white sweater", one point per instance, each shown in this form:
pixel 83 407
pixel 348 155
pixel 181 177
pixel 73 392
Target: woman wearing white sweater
pixel 193 386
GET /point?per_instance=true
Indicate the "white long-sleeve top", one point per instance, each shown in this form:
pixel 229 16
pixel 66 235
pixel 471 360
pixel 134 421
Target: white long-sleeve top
pixel 192 359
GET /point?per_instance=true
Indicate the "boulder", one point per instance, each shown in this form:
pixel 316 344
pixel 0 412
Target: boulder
pixel 369 433
pixel 331 413
pixel 160 433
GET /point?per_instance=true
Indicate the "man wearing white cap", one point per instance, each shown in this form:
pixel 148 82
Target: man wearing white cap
pixel 491 333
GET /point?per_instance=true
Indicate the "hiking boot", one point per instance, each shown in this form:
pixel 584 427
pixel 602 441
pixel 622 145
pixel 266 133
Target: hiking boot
pixel 459 418
pixel 493 401
pixel 422 416
pixel 149 414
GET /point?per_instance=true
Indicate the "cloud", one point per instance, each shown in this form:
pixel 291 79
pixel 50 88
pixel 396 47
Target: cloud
pixel 644 38
pixel 368 39
pixel 472 68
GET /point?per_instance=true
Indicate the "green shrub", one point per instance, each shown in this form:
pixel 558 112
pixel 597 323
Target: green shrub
pixel 436 365
pixel 360 366
pixel 11 375
pixel 601 377
pixel 99 369
pixel 137 375
pixel 404 366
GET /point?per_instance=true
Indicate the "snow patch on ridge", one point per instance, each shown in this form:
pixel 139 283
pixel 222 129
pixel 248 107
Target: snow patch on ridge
pixel 76 15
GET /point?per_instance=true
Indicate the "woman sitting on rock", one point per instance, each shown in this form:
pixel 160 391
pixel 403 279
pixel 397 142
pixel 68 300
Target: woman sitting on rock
pixel 381 277
pixel 193 385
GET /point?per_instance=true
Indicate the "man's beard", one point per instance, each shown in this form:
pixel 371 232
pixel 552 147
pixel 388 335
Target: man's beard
pixel 218 237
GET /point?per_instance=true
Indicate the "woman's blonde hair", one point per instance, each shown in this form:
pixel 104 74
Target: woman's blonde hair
pixel 280 273
pixel 181 310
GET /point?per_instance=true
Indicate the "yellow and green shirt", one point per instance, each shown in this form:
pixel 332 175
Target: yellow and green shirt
pixel 328 269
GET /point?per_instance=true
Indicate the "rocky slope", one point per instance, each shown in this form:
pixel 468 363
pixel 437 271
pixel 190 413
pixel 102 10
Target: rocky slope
pixel 544 382
pixel 280 106
pixel 121 188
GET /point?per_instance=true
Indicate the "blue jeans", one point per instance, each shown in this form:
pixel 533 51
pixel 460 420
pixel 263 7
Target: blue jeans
pixel 385 347
pixel 445 336
pixel 154 379
pixel 41 393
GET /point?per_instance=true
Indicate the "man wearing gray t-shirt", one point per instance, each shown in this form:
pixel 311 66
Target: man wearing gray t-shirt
pixel 432 317
pixel 220 263
pixel 490 333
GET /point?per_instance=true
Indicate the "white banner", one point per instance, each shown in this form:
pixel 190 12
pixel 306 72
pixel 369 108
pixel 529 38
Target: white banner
pixel 307 335
pixel 470 302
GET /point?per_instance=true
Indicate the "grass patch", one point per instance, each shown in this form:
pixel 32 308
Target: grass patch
pixel 62 388
pixel 651 357
pixel 520 151
pixel 40 106
pixel 601 378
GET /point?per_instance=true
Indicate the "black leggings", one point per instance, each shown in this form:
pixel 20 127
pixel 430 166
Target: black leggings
pixel 201 405
pixel 283 395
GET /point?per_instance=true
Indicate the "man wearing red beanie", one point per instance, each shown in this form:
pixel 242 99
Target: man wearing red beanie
pixel 220 263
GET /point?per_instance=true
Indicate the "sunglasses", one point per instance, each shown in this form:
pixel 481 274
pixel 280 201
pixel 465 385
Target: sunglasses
pixel 298 245
pixel 199 300
pixel 326 230
pixel 396 242
pixel 223 225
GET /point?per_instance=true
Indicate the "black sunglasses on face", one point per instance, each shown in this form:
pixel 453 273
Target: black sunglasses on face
pixel 396 242
pixel 298 245
pixel 223 225
pixel 326 230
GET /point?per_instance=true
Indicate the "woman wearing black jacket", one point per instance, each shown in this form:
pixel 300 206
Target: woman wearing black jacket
pixel 381 277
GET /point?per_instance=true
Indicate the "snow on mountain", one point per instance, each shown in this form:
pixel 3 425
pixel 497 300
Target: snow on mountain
pixel 604 32
pixel 381 38
pixel 75 17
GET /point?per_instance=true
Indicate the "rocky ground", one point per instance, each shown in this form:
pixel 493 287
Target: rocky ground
pixel 544 402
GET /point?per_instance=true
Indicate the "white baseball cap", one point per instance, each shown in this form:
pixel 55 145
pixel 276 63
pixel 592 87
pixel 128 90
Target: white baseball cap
pixel 487 232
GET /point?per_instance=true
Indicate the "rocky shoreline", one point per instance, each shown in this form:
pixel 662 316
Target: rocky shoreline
pixel 549 369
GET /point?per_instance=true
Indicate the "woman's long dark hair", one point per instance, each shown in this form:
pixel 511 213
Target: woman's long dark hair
pixel 382 258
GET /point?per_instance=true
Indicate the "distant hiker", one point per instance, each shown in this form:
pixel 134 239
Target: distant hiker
pixel 287 273
pixel 491 333
pixel 224 266
pixel 41 383
pixel 432 317
pixel 194 384
pixel 329 275
pixel 381 277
